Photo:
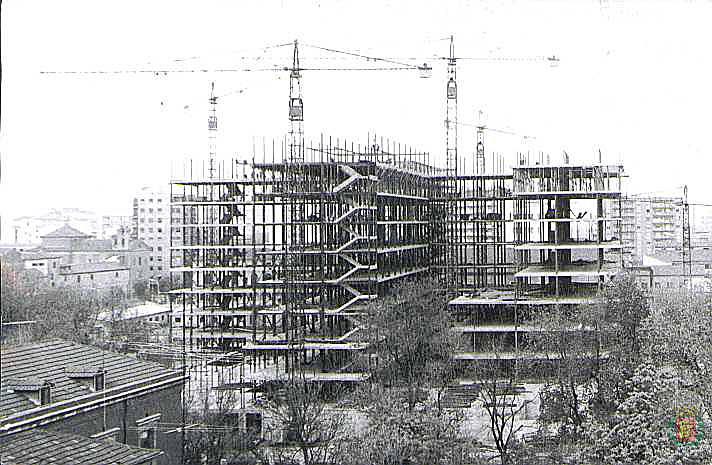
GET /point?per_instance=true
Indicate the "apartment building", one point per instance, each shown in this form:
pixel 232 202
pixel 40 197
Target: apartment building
pixel 151 223
pixel 649 225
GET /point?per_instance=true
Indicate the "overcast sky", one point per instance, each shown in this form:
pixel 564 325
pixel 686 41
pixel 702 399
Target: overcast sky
pixel 633 81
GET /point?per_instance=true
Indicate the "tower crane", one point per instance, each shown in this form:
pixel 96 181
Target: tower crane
pixel 296 110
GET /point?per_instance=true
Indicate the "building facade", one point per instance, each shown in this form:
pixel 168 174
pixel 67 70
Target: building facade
pixel 650 225
pixel 151 223
pixel 70 257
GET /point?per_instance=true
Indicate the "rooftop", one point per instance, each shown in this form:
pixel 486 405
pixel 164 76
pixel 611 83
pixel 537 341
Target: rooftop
pixel 146 309
pixel 66 231
pixel 50 448
pixel 47 361
pixel 79 268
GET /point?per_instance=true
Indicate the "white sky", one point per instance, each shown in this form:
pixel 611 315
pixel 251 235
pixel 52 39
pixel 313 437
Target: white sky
pixel 634 80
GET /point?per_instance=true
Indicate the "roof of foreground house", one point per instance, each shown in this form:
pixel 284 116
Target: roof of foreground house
pixel 55 361
pixel 50 448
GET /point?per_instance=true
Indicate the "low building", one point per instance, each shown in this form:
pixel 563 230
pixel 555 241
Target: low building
pixel 67 388
pixel 99 277
pixel 668 272
pixel 149 320
pixel 69 247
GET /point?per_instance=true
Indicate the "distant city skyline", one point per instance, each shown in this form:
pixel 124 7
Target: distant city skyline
pixel 632 81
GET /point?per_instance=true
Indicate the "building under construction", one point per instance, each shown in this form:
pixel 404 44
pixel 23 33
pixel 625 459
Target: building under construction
pixel 278 259
pixel 278 254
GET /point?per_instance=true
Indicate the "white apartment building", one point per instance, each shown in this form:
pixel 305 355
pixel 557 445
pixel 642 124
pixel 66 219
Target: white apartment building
pixel 151 223
pixel 649 225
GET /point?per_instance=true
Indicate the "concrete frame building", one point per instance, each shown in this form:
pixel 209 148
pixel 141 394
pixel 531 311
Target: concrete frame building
pixel 348 222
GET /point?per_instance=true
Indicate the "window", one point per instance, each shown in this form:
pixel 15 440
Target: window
pixel 147 431
pixel 150 210
pixel 116 275
pixel 160 248
pixel 150 200
pixel 150 220
pixel 150 268
pixel 160 210
pixel 91 276
pixel 159 201
pixel 160 268
pixel 139 261
pixel 150 259
pixel 143 229
pixel 79 279
pixel 160 230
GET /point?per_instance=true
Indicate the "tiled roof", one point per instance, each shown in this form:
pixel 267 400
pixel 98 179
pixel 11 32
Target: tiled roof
pixel 48 361
pixel 66 231
pixel 78 268
pixel 23 384
pixel 50 448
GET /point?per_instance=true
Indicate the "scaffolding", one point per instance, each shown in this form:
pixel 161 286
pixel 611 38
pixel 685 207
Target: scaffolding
pixel 277 258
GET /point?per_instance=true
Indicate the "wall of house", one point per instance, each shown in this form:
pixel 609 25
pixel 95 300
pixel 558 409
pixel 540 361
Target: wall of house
pixel 47 266
pixel 98 281
pixel 124 415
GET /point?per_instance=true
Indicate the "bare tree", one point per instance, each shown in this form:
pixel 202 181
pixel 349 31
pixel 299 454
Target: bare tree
pixel 501 399
pixel 410 330
pixel 310 429
pixel 570 342
pixel 395 434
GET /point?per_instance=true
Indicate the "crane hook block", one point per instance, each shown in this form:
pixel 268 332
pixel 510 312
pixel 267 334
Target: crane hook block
pixel 451 89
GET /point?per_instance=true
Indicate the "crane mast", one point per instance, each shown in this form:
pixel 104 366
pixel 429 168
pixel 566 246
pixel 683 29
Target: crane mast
pixel 296 110
pixel 450 169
